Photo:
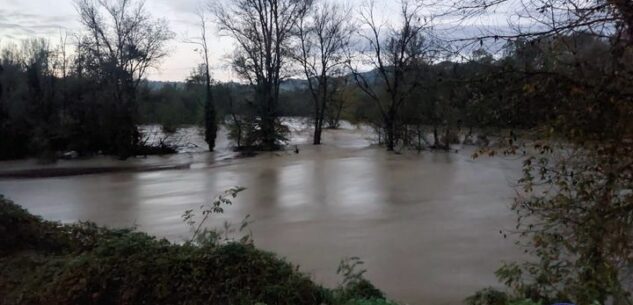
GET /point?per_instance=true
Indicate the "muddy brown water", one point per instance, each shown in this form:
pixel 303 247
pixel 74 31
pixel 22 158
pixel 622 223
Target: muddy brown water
pixel 426 225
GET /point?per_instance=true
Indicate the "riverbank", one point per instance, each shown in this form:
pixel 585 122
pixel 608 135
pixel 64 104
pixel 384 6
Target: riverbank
pixel 32 173
pixel 192 152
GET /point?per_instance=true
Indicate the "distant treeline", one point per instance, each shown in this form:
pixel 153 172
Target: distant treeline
pixel 80 95
pixel 484 93
pixel 92 97
pixel 51 103
pixel 182 103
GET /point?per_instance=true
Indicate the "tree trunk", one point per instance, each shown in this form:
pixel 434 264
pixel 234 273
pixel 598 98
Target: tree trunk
pixel 389 134
pixel 317 133
pixel 127 136
pixel 268 125
pixel 209 115
pixel 316 140
pixel 436 141
pixel 447 140
pixel 320 109
pixel 337 118
pixel 419 134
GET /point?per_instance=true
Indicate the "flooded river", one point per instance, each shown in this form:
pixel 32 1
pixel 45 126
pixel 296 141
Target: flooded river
pixel 427 225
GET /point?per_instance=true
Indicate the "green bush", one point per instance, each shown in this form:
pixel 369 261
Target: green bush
pixel 357 290
pixel 20 230
pixel 49 263
pixel 525 302
pixel 491 296
pixel 370 302
pixel 488 296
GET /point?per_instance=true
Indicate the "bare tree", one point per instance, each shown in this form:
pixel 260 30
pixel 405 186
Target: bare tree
pixel 63 59
pixel 340 95
pixel 395 59
pixel 262 30
pixel 62 66
pixel 121 42
pixel 324 34
pixel 210 120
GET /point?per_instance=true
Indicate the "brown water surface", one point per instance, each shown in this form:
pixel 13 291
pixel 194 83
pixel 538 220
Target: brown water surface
pixel 427 225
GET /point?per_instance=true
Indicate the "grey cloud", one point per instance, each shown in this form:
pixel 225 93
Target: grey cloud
pixel 188 22
pixel 15 28
pixel 17 24
pixel 182 6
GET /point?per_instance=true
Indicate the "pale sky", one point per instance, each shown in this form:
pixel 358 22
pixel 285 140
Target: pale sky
pixel 22 19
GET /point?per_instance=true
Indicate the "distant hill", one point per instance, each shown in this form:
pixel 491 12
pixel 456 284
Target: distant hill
pixel 293 84
pixel 155 85
pixel 288 85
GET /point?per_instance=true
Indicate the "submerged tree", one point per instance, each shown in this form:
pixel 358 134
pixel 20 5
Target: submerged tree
pixel 324 34
pixel 120 43
pixel 262 30
pixel 342 93
pixel 210 119
pixel 396 59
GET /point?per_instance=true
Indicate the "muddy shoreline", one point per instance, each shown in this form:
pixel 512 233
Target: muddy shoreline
pixel 78 171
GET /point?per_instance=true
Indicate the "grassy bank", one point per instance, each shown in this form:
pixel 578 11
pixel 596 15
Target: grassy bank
pixel 43 262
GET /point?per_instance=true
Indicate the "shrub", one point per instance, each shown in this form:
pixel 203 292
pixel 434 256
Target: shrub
pixel 20 230
pixel 49 263
pixel 488 296
pixel 354 286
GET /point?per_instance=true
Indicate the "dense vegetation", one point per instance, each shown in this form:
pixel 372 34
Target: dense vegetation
pixel 43 262
pixel 92 98
pixel 575 206
pixel 568 82
pixel 52 101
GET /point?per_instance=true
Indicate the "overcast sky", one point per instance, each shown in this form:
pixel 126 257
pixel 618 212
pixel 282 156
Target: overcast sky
pixel 22 19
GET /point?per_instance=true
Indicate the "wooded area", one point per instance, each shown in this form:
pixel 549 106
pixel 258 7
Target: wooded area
pixel 565 85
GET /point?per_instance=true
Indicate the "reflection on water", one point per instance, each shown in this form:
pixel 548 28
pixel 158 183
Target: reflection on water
pixel 426 224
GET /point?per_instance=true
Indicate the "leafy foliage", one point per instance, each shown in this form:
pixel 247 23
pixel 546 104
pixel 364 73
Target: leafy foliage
pixel 488 296
pixel 202 235
pixel 354 286
pixel 86 264
pixel 575 207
